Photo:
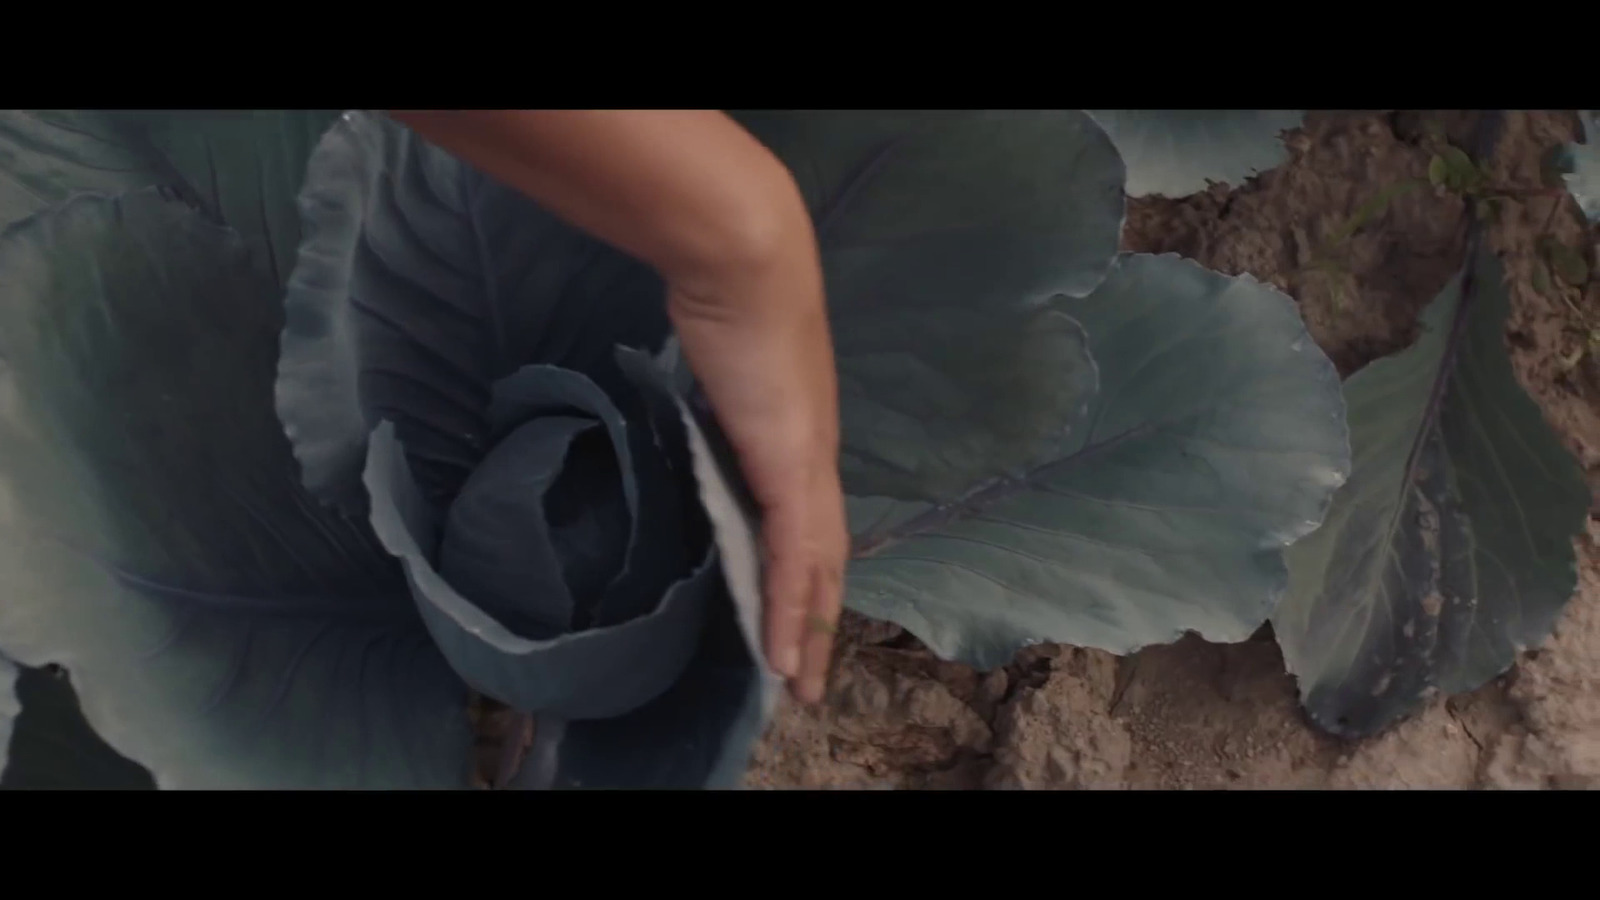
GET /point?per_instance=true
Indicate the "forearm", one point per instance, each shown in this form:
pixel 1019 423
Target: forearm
pixel 687 191
pixel 701 200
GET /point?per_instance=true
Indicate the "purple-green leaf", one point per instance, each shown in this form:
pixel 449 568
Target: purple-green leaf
pixel 1450 548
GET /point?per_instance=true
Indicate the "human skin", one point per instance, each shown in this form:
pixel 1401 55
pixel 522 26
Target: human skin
pixel 694 195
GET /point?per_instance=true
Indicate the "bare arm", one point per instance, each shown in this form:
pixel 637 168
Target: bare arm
pixel 694 195
pixel 687 191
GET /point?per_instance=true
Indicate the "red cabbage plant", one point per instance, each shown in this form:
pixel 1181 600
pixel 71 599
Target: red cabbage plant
pixel 308 429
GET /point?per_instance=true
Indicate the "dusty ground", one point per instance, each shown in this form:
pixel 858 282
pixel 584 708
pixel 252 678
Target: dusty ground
pixel 1198 715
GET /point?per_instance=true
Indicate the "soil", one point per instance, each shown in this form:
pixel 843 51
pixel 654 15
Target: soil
pixel 1202 716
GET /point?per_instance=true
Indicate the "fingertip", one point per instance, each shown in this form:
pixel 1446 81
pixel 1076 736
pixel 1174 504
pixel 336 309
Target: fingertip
pixel 810 691
pixel 813 685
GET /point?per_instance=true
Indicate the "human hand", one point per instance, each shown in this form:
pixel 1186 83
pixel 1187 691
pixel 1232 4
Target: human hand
pixel 759 344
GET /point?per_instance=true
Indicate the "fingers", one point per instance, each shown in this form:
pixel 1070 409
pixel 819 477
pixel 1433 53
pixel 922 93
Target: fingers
pixel 786 600
pixel 821 621
pixel 805 546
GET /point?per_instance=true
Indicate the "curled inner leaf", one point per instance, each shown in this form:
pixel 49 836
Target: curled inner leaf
pixel 500 547
pixel 498 595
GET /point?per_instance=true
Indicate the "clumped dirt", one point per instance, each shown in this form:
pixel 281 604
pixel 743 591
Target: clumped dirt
pixel 1199 715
